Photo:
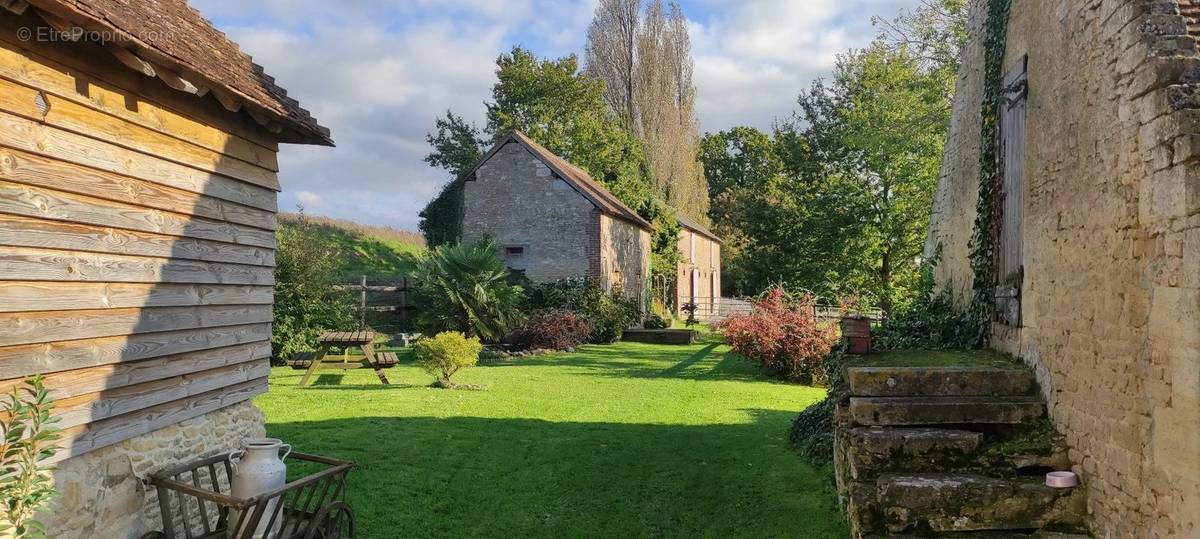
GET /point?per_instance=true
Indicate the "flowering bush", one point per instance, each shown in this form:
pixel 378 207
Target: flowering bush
pixel 554 329
pixel 781 334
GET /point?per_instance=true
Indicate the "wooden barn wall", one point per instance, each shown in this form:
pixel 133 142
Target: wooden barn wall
pixel 136 243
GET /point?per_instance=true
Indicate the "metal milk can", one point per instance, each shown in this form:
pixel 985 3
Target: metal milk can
pixel 257 469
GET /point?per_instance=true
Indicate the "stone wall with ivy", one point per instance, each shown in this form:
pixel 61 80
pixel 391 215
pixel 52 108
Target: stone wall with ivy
pixel 1110 305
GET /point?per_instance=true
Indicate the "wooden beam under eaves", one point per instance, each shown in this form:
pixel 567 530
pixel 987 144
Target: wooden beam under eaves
pixel 175 81
pixel 132 61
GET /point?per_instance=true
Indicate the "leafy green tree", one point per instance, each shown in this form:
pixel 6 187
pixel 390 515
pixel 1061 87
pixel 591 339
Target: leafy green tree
pixel 465 287
pixel 307 267
pixel 872 138
pixel 457 145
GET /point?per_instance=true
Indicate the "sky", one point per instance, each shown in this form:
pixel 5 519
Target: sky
pixel 379 72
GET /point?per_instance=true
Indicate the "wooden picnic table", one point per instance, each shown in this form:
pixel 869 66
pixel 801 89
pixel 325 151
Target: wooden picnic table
pixel 346 339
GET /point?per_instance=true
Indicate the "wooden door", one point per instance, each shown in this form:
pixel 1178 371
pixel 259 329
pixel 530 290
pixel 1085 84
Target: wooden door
pixel 1010 270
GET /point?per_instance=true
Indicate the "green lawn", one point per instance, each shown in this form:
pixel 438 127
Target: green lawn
pixel 627 440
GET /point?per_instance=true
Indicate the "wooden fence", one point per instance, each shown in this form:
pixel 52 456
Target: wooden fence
pixel 383 303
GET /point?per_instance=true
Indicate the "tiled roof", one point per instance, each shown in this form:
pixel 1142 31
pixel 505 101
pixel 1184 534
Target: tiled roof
pixel 573 175
pixel 1191 13
pixel 695 226
pixel 175 33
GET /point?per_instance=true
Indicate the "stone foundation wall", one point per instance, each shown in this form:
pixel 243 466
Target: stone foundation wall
pixel 1111 296
pixel 100 494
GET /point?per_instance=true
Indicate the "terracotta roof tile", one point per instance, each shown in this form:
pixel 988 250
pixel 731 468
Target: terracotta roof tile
pixel 177 31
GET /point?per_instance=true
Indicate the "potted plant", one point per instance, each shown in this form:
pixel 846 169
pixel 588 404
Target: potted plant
pixel 855 324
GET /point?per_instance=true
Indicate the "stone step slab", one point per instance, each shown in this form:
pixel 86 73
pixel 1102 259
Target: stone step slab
pixel 895 411
pixel 964 502
pixel 938 381
pixel 874 450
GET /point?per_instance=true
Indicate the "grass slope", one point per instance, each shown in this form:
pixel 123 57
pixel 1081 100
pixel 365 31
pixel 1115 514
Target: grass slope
pixel 625 440
pixel 373 251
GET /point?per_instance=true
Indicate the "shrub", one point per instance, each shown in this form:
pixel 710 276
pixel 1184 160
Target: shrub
pixel 812 432
pixel 782 335
pixel 27 438
pixel 930 321
pixel 306 303
pixel 446 353
pixel 608 313
pixel 465 288
pixel 554 329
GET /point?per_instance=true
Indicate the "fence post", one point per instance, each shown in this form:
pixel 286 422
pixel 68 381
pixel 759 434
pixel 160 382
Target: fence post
pixel 362 308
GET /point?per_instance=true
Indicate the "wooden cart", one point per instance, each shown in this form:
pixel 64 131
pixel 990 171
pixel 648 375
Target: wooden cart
pixel 195 503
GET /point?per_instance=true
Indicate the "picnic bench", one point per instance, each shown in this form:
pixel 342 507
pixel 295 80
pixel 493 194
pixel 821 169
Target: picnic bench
pixel 314 361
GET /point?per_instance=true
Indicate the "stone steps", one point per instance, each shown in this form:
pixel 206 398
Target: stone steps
pixel 943 451
pixel 901 411
pixel 882 449
pixel 938 381
pixel 966 502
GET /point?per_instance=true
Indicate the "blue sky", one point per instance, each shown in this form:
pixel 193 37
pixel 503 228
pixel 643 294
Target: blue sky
pixel 378 72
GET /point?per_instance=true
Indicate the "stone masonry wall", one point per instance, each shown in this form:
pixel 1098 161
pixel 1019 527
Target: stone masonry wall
pixel 953 218
pixel 100 494
pixel 518 201
pixel 1111 297
pixel 625 256
pixel 707 261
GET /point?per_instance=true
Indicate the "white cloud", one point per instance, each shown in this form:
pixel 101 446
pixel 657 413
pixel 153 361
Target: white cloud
pixel 754 57
pixel 379 72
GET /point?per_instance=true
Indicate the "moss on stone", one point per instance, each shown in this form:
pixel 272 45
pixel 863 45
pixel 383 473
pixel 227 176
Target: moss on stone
pixel 939 358
pixel 1036 438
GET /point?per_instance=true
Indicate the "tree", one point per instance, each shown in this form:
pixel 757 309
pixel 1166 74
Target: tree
pixel 934 33
pixel 872 138
pixel 456 147
pixel 465 288
pixel 645 60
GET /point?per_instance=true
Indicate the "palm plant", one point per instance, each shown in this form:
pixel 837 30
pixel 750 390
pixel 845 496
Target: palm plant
pixel 465 287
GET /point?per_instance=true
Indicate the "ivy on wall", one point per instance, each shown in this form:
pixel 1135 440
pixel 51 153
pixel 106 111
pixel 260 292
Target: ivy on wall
pixel 987 222
pixel 441 220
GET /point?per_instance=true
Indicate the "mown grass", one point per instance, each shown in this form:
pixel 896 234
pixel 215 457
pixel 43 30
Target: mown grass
pixel 625 440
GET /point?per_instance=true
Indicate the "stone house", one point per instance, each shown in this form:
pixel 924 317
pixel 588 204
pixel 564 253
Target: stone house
pixel 1096 235
pixel 550 220
pixel 698 280
pixel 138 181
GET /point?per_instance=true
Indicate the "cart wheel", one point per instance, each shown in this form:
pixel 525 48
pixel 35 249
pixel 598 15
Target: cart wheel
pixel 334 521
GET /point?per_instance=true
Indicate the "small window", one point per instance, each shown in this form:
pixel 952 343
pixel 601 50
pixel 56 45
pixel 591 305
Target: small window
pixel 514 251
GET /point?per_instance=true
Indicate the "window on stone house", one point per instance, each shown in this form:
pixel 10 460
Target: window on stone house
pixel 691 247
pixel 1010 269
pixel 513 251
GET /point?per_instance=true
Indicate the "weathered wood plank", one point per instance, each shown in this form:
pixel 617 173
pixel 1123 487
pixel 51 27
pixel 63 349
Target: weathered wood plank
pixel 26 232
pixel 223 199
pixel 50 326
pixel 29 264
pixel 83 438
pixel 21 134
pixel 91 407
pixel 66 114
pixel 17 199
pixel 75 382
pixel 17 296
pixel 25 360
pixel 61 76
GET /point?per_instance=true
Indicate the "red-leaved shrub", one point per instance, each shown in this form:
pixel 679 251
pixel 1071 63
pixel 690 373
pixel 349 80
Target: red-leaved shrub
pixel 553 329
pixel 781 334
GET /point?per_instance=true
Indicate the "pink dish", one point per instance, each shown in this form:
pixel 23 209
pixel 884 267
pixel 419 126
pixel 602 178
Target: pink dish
pixel 1062 479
